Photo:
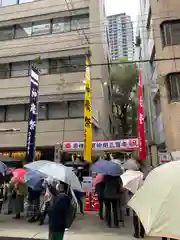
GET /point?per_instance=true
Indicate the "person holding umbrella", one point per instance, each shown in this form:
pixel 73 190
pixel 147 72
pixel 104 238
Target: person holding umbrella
pixel 58 213
pixel 112 187
pixel 1 191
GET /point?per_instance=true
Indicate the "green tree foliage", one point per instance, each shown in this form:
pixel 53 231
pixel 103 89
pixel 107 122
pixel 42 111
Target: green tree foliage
pixel 124 79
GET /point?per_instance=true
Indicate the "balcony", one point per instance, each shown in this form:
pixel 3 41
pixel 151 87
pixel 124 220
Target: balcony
pixel 159 130
pixel 55 84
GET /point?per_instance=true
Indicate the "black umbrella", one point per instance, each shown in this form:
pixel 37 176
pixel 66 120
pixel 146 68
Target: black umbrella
pixel 11 162
pixel 75 164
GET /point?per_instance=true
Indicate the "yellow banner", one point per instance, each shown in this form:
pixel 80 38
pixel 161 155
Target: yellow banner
pixel 87 116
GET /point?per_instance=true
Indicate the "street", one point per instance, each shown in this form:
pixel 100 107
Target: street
pixel 84 227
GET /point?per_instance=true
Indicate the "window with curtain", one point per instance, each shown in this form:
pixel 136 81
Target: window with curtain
pixel 2 113
pixel 4 71
pixel 173 86
pixel 23 30
pixel 6 33
pixel 61 25
pixel 170 31
pixel 57 110
pixel 15 112
pixel 20 69
pixel 76 109
pixel 41 27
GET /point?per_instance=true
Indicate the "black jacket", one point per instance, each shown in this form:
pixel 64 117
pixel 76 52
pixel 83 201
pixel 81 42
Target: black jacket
pixel 99 189
pixel 33 195
pixel 58 212
pixel 112 187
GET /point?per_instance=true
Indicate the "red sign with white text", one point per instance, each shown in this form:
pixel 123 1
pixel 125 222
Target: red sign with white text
pixel 122 144
pixel 141 135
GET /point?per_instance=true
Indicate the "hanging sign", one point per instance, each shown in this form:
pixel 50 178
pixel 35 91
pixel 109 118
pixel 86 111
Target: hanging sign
pixel 33 112
pixel 123 144
pixel 87 116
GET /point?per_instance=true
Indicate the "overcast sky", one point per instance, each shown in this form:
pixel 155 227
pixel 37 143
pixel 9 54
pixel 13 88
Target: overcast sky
pixel 119 6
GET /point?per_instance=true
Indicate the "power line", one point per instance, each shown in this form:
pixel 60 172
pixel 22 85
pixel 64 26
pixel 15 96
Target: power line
pixel 91 65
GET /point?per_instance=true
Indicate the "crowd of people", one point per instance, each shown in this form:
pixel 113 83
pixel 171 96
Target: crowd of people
pixel 114 198
pixel 54 199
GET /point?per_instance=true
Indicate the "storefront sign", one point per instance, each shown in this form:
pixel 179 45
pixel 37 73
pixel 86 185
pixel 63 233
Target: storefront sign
pixel 164 157
pixel 20 155
pixel 123 144
pixel 87 184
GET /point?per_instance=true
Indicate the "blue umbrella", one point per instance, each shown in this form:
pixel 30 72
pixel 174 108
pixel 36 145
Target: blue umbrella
pixel 3 168
pixel 34 180
pixel 107 168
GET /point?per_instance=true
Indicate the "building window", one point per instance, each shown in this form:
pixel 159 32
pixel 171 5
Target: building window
pixel 20 69
pixel 79 22
pixel 15 113
pixel 2 113
pixel 25 1
pixel 173 86
pixel 60 65
pixel 23 30
pixel 61 25
pixel 41 27
pixel 57 110
pixel 57 25
pixel 170 32
pixel 8 2
pixel 42 111
pixel 6 33
pixel 76 109
pixel 43 66
pixel 4 71
pixel 77 63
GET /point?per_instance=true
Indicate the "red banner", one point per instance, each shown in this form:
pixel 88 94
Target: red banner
pixel 141 135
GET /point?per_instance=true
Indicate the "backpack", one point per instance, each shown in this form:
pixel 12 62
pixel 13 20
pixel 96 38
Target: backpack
pixel 71 215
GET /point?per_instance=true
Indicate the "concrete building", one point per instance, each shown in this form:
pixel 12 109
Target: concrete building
pixel 121 36
pixel 160 40
pixel 61 33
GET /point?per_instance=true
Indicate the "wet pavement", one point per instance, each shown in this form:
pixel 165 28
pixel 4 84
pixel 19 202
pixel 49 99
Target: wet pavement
pixel 88 227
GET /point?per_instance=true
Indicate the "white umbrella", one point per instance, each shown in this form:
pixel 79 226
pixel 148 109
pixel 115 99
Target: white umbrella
pixel 56 171
pixel 132 180
pixel 157 202
pixel 131 164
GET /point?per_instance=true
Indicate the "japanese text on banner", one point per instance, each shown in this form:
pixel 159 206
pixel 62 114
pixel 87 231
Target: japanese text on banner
pixel 87 115
pixel 141 135
pixel 33 112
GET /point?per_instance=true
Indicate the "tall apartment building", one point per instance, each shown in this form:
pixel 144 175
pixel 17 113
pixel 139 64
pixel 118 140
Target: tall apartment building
pixel 121 36
pixel 160 40
pixel 61 35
